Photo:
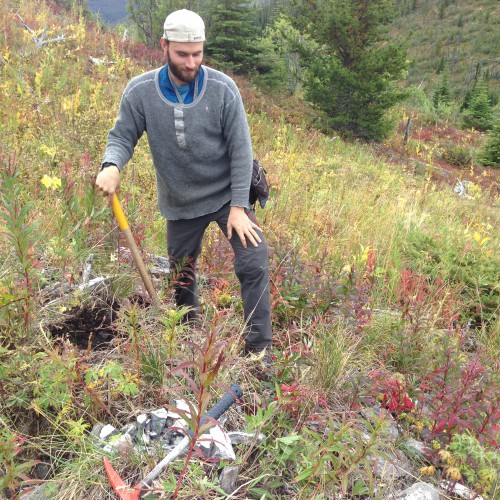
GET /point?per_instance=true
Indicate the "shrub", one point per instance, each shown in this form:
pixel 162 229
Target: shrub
pixel 392 392
pixel 470 264
pixel 475 464
pixel 457 154
pixel 459 394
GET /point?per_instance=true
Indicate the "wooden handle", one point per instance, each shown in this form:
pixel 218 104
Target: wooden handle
pixel 122 222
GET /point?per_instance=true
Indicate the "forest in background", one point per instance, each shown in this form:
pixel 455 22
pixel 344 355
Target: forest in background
pixel 440 56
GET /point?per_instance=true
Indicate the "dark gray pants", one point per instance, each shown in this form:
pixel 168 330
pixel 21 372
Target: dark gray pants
pixel 250 265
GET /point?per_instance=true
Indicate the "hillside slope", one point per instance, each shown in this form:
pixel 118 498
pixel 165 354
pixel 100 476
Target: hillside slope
pixel 384 298
pixel 459 36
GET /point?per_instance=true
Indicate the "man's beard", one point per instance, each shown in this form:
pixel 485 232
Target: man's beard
pixel 177 72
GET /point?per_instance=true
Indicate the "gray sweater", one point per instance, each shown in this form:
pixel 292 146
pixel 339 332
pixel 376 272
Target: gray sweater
pixel 201 151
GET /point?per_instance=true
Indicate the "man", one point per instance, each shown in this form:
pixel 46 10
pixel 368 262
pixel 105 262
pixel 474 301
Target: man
pixel 200 144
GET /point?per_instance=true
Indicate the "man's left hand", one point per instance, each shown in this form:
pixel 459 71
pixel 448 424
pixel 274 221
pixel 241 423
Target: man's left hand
pixel 244 227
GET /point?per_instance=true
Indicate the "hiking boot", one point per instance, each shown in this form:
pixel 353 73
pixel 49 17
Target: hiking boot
pixel 264 369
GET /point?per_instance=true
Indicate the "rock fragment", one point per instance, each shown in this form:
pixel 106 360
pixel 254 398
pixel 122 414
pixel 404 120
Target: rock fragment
pixel 419 491
pixel 228 478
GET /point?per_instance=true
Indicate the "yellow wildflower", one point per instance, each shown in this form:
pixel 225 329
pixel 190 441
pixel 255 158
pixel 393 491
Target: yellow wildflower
pixel 445 455
pixel 453 473
pixel 51 182
pixel 50 151
pixel 428 471
pixel 435 445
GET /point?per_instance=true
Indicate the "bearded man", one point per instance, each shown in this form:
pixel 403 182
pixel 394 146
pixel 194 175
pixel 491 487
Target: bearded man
pixel 201 149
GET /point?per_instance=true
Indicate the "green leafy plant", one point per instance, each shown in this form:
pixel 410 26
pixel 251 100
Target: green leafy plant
pixel 22 235
pixel 130 323
pixel 13 472
pixel 334 459
pixel 114 380
pixel 477 465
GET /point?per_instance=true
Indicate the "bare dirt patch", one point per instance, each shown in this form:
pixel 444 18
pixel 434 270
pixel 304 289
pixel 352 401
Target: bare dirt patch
pixel 89 326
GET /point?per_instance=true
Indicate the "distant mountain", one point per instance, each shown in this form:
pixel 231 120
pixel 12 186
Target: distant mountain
pixel 112 11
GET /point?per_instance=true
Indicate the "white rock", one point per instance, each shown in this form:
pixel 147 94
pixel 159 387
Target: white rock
pixel 107 431
pixel 221 444
pixel 461 491
pixel 247 438
pixel 182 405
pixel 142 419
pixel 119 442
pixel 419 491
pixel 384 469
pixel 206 445
pixel 228 478
pixel 160 413
pixel 417 446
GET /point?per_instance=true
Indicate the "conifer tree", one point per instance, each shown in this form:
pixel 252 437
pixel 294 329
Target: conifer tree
pixel 491 151
pixel 351 69
pixel 479 111
pixel 232 35
pixel 442 94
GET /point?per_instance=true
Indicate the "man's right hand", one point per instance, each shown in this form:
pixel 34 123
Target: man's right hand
pixel 108 180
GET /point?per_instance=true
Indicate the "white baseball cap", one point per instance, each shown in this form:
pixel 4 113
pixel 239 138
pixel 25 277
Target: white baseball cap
pixel 184 26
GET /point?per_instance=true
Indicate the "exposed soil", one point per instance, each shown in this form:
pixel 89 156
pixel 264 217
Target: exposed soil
pixel 90 326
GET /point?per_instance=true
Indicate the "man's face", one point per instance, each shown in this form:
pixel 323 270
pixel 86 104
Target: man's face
pixel 184 60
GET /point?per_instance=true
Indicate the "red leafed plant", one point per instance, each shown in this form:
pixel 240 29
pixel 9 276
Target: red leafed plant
pixel 460 397
pixel 392 392
pixel 291 398
pixel 299 401
pixel 13 472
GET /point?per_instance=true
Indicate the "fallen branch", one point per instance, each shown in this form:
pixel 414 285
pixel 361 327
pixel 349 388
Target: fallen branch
pixel 97 61
pixel 40 42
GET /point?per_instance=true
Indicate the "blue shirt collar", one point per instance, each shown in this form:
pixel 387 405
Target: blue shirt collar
pixel 186 91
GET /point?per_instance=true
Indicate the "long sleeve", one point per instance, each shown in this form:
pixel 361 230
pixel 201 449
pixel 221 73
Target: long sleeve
pixel 239 148
pixel 128 129
pixel 201 151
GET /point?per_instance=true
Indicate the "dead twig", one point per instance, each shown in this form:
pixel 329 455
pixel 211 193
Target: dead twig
pixel 41 41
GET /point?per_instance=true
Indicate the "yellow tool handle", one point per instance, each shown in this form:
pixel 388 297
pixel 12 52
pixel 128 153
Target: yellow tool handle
pixel 134 250
pixel 119 213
